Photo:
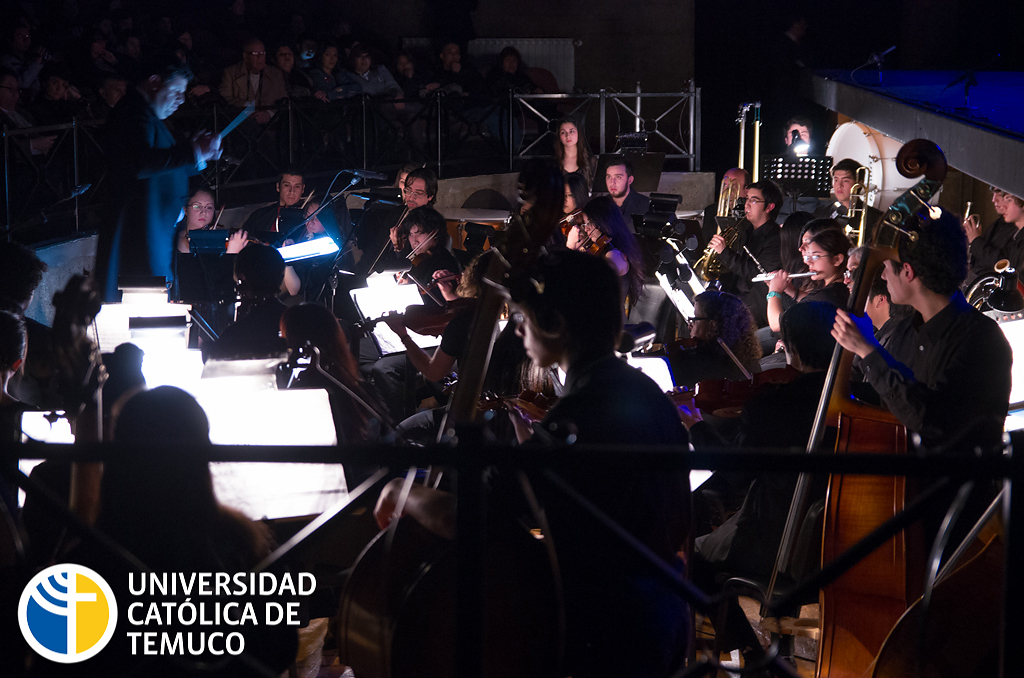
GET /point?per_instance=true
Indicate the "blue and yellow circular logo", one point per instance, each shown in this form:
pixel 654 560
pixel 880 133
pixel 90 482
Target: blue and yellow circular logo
pixel 67 613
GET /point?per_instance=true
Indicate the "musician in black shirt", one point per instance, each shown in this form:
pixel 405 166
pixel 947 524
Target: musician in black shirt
pixel 844 177
pixel 946 374
pixel 286 213
pixel 995 243
pixel 756 248
pixel 620 618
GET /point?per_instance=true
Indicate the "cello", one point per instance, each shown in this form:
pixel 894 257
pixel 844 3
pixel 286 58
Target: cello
pixel 860 607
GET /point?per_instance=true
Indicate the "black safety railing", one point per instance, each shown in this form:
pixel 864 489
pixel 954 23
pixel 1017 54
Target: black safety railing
pixel 671 120
pixel 470 458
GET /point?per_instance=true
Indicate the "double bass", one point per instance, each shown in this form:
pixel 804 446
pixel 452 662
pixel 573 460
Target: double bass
pixel 860 607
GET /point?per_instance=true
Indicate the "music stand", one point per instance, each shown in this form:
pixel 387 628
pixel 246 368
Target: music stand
pixel 646 169
pixel 809 176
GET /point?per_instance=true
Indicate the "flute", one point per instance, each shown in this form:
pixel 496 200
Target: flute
pixel 765 277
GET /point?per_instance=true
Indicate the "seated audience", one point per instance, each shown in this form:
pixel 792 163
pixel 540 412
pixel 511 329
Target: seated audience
pixel 327 78
pixel 17 117
pixel 374 81
pixel 24 61
pixel 296 81
pixel 110 92
pixel 253 80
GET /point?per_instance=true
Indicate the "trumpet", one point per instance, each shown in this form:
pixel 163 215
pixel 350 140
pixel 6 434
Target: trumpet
pixel 765 277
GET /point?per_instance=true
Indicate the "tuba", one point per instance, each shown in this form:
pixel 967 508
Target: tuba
pixel 708 267
pixel 1000 287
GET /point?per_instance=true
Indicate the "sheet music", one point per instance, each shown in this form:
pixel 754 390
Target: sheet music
pixel 382 297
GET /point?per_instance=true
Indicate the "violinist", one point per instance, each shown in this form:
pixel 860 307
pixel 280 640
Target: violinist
pixel 717 315
pixel 604 232
pixel 576 193
pixel 382 232
pixel 620 618
pixel 781 416
pixel 284 214
pixel 825 256
pixel 427 234
pixel 946 374
pixel 436 366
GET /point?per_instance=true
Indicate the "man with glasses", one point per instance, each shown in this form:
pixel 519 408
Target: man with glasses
pixel 756 247
pixel 253 80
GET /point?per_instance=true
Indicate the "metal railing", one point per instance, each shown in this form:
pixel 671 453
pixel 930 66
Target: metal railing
pixel 547 463
pixel 663 109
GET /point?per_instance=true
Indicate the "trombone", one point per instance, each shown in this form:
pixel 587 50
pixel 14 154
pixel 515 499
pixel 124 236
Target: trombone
pixel 857 216
pixel 728 193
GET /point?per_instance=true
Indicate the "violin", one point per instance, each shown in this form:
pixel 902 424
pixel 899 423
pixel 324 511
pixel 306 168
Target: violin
pixel 422 319
pixel 531 405
pixel 726 397
pixel 566 223
pixel 596 246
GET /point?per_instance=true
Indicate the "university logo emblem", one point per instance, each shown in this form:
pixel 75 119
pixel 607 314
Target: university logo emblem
pixel 67 613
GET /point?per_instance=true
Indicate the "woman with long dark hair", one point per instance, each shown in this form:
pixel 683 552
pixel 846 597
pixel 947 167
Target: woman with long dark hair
pixel 603 218
pixel 572 153
pixel 577 194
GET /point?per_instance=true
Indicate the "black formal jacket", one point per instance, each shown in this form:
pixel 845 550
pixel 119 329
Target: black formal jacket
pixel 764 244
pixel 150 171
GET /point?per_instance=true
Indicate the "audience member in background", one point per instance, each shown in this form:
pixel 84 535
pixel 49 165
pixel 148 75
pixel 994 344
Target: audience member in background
pixel 21 271
pixel 333 82
pixel 25 61
pixel 453 77
pixel 59 101
pixel 252 80
pixel 259 272
pixel 618 179
pixel 296 81
pixel 375 81
pixel 98 63
pixel 161 508
pixel 111 90
pixel 573 154
pixel 414 86
pixel 17 117
pixel 576 192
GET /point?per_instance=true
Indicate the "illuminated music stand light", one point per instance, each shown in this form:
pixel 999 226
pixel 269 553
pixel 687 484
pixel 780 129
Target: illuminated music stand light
pixel 383 295
pixel 317 247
